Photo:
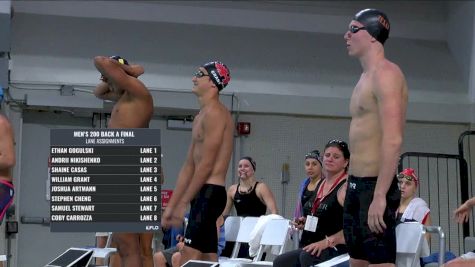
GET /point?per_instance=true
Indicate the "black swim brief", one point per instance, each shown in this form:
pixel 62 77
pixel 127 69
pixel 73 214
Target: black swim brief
pixel 206 207
pixel 362 243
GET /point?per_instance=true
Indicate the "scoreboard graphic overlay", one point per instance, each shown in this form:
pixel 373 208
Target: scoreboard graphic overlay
pixel 105 180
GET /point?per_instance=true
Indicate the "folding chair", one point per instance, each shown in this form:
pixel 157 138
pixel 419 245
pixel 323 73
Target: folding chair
pixel 231 228
pixel 3 260
pixel 410 241
pixel 438 230
pixel 243 236
pixel 409 238
pixel 104 252
pixel 469 244
pixel 416 232
pixel 276 233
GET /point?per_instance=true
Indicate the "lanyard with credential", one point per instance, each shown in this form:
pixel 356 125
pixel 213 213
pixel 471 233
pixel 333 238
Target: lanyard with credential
pixel 320 196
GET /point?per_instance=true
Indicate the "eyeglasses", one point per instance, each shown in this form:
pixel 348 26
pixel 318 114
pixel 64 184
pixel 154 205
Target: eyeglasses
pixel 200 74
pixel 355 29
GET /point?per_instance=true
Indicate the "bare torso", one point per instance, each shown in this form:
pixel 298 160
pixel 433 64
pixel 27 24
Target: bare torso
pixel 365 135
pixel 7 153
pixel 221 164
pixel 6 174
pixel 132 112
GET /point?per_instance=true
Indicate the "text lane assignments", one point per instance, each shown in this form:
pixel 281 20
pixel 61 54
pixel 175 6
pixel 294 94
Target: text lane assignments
pixel 105 180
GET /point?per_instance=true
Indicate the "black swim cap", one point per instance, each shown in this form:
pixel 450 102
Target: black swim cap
pixel 375 22
pixel 252 161
pixel 314 154
pixel 219 73
pixel 120 59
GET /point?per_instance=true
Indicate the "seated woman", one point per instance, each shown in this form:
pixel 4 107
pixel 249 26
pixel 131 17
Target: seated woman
pixel 249 197
pixel 411 208
pixel 307 192
pixel 322 237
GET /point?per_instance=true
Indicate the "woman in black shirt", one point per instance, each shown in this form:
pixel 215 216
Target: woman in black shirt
pixel 322 237
pixel 249 197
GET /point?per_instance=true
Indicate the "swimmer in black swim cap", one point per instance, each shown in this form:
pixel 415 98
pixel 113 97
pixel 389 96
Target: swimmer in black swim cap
pixel 375 22
pixel 378 109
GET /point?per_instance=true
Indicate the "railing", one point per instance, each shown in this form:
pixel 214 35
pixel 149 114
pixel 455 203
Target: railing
pixel 443 185
pixel 465 147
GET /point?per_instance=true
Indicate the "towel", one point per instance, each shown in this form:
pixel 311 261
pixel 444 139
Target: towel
pixel 416 210
pixel 256 234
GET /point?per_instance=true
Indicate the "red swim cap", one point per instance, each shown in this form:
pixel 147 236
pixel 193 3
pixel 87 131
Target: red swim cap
pixel 219 73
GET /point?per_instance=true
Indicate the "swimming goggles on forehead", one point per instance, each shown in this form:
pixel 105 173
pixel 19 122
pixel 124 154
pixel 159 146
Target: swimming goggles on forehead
pixel 338 142
pixel 407 177
pixel 313 155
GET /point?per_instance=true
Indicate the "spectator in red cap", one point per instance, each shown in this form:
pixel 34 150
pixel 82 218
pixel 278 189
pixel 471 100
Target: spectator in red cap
pixel 411 207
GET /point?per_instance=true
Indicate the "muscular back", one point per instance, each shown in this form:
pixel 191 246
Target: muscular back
pixel 212 136
pixel 377 109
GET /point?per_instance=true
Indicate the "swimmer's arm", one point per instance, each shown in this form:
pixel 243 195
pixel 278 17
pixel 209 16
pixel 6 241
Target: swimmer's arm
pixel 122 76
pixel 470 202
pixel 7 149
pixel 134 70
pixel 229 200
pixel 266 195
pixel 213 131
pixel 104 92
pixel 392 100
pixel 428 222
pixel 184 177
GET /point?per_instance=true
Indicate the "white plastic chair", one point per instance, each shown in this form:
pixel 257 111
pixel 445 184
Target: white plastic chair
pixel 276 233
pixel 231 230
pixel 469 243
pixel 3 260
pixel 410 246
pixel 243 236
pixel 105 252
pixel 247 225
pixel 409 242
